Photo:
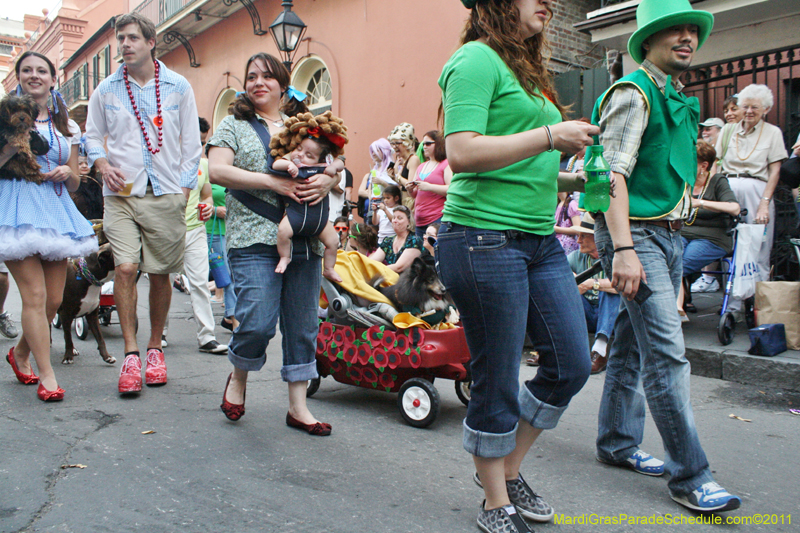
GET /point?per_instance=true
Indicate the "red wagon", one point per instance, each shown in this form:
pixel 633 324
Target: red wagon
pixel 405 361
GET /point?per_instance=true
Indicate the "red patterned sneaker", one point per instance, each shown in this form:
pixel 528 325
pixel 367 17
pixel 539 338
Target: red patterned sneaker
pixel 156 371
pixel 130 376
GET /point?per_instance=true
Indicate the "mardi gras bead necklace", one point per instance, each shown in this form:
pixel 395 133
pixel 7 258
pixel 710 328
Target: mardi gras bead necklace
pixel 158 121
pixel 58 187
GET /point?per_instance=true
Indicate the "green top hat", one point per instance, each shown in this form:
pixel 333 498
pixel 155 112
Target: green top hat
pixel 652 16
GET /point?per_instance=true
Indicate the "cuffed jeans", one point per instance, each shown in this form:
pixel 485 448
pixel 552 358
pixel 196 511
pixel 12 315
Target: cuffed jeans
pixel 217 244
pixel 263 296
pixel 648 347
pixel 503 286
pixel 600 317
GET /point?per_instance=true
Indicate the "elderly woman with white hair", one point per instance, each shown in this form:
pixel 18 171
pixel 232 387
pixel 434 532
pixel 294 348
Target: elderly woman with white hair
pixel 752 162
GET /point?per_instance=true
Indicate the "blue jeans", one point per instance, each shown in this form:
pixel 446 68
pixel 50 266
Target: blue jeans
pixel 600 317
pixel 217 243
pixel 504 286
pixel 648 348
pixel 262 297
pixel 699 253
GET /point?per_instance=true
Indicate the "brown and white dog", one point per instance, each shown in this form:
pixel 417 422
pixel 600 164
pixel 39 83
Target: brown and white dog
pixel 85 277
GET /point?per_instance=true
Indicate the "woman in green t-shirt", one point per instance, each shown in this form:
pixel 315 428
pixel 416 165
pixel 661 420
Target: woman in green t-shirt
pixel 497 253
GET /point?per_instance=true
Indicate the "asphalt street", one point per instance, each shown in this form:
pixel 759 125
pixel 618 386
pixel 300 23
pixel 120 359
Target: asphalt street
pixel 197 472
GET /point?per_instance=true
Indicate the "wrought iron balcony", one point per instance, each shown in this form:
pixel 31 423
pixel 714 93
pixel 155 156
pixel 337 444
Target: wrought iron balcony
pixel 160 11
pixel 76 89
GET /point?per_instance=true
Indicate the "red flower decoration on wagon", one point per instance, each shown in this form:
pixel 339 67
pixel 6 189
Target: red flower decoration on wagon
pixel 380 357
pixel 374 335
pixel 388 339
pixel 355 373
pixel 370 376
pixel 349 334
pixel 386 380
pixel 416 336
pixel 349 353
pixel 363 354
pixel 321 346
pixel 414 359
pixel 325 331
pixel 335 366
pixel 401 342
pixel 393 357
pixel 338 336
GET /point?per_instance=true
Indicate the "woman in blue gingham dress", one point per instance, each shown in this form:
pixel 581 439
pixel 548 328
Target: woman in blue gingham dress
pixel 40 227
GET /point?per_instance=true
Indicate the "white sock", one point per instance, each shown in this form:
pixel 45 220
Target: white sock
pixel 600 345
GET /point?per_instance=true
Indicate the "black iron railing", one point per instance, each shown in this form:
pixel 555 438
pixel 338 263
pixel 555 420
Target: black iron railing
pixel 160 11
pixel 778 69
pixel 77 88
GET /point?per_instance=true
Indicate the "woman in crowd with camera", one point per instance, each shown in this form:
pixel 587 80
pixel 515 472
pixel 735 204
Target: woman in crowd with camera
pixel 40 227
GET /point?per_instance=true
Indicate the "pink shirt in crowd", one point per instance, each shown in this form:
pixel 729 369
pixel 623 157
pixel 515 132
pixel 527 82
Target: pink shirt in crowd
pixel 568 242
pixel 428 205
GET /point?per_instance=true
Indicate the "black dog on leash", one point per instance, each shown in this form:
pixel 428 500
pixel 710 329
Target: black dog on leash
pixel 85 277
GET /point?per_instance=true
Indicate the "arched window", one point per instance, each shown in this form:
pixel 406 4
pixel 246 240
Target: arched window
pixel 311 76
pixel 221 107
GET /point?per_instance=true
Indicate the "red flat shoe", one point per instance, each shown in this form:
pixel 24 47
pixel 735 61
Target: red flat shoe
pixel 50 395
pixel 320 429
pixel 232 411
pixel 25 379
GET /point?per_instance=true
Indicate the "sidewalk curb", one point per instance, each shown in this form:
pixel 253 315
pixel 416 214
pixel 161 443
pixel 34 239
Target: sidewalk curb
pixel 741 367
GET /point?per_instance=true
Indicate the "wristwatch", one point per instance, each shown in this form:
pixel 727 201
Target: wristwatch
pixel 596 285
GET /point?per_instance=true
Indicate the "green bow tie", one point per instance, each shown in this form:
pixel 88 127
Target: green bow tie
pixel 680 106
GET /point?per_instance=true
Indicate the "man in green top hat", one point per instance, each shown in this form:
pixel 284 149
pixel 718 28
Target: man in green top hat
pixel 649 131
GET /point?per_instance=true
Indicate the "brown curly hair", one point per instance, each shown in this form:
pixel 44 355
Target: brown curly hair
pixel 242 108
pixel 323 128
pixel 498 22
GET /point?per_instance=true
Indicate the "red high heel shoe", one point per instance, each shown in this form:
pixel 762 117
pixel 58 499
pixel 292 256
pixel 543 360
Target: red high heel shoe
pixel 232 411
pixel 50 395
pixel 25 379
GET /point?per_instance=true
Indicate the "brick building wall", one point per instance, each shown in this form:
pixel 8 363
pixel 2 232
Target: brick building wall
pixel 571 48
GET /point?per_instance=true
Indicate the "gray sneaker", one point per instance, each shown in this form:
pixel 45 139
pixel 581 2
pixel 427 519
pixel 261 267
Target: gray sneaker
pixel 7 327
pixel 528 503
pixel 502 520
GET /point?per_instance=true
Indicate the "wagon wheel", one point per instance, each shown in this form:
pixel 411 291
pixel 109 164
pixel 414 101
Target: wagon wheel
pixel 313 386
pixel 81 328
pixel 418 402
pixel 726 329
pixel 462 389
pixel 57 321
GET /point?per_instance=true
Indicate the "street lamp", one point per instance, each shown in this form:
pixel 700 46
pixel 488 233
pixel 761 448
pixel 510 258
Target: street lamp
pixel 288 31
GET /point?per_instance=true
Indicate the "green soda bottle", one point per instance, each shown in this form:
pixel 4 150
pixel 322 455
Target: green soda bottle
pixel 598 180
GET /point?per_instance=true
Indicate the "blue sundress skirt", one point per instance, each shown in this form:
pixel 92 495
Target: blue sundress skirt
pixel 37 220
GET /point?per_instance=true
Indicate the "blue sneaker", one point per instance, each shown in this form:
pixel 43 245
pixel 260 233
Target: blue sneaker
pixel 640 462
pixel 708 497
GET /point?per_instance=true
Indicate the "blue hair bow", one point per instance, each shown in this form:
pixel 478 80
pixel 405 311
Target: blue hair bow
pixel 57 96
pixel 240 93
pixel 294 93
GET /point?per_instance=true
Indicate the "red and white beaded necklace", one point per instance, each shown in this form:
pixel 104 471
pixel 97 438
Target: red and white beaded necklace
pixel 158 121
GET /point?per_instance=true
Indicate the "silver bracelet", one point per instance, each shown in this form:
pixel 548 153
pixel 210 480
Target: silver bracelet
pixel 549 137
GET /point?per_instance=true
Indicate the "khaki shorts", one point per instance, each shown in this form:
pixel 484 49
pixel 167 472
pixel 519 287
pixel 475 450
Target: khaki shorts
pixel 150 231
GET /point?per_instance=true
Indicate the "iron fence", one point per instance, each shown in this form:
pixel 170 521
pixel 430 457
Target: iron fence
pixel 778 69
pixel 77 87
pixel 160 11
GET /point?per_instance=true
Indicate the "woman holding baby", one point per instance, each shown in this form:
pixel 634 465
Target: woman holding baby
pixel 237 160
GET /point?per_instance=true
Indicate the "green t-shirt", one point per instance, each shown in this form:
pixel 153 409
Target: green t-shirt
pixel 481 94
pixel 218 193
pixel 192 221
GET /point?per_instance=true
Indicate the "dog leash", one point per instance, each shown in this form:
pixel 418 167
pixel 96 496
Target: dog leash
pixel 83 270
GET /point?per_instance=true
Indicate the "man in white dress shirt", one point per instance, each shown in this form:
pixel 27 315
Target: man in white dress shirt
pixel 146 115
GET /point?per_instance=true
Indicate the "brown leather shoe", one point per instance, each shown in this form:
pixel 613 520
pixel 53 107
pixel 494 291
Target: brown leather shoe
pixel 599 362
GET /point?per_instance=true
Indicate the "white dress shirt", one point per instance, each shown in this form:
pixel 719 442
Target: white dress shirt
pixel 111 122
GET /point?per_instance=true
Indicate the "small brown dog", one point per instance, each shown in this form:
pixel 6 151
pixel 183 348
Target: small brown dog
pixel 17 120
pixel 85 277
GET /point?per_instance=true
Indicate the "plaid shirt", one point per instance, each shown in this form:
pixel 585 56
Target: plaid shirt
pixel 623 121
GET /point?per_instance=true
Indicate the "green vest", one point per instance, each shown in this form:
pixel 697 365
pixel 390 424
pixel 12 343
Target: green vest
pixel 667 159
